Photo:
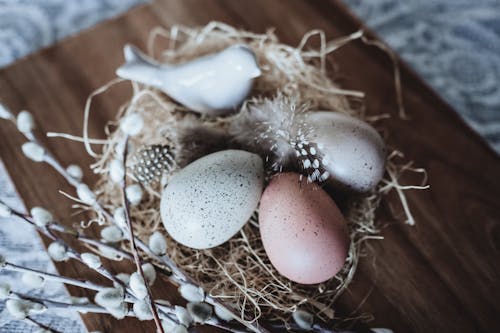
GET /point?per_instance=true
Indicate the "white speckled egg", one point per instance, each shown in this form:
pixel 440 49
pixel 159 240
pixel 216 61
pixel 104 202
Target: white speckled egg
pixel 353 152
pixel 209 200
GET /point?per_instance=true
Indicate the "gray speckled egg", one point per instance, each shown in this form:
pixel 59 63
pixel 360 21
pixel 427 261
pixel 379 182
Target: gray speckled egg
pixel 209 200
pixel 353 152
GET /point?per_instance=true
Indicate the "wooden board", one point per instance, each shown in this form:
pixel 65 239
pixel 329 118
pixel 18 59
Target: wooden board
pixel 441 275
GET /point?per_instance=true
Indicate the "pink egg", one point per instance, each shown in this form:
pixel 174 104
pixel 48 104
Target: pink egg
pixel 302 229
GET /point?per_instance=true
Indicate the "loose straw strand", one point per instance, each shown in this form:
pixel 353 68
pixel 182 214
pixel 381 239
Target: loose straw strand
pixel 86 114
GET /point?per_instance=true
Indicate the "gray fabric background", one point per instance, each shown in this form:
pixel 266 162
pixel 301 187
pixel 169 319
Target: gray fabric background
pixel 453 44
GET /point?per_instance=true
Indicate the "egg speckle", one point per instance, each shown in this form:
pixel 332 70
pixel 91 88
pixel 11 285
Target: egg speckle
pixel 302 230
pixel 210 200
pixel 352 151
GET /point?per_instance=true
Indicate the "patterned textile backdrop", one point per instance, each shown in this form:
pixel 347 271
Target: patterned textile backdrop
pixel 20 245
pixel 453 44
pixel 25 26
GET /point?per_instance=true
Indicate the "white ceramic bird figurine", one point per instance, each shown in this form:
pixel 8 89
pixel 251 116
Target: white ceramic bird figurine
pixel 213 84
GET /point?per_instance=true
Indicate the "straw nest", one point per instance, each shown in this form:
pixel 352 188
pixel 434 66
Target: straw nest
pixel 238 271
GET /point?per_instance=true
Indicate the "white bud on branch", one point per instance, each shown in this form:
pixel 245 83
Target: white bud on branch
pixel 110 297
pixel 41 216
pixel 138 286
pixel 58 252
pixel 134 194
pixel 183 315
pixel 142 311
pixel 116 171
pixel 25 122
pixel 109 253
pixel 4 290
pixel 91 260
pixel 180 329
pixel 381 330
pixel 192 293
pixel 79 300
pixel 303 319
pixel 201 312
pixel 20 308
pixel 223 313
pixel 132 124
pixel 168 325
pixel 149 273
pixel 158 243
pixel 119 217
pixel 111 234
pixel 120 311
pixel 33 151
pixel 75 171
pixel 85 194
pixel 33 280
pixel 124 277
pixel 5 113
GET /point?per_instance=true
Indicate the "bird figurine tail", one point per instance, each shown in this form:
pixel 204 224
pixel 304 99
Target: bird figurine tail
pixel 140 68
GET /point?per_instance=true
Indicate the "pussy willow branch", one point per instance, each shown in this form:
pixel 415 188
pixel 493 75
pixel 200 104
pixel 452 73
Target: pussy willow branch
pixel 168 311
pixel 83 308
pixel 135 252
pixel 53 277
pixel 177 273
pixel 72 253
pixel 67 280
pixel 55 305
pixel 54 225
pixel 178 276
pixel 50 159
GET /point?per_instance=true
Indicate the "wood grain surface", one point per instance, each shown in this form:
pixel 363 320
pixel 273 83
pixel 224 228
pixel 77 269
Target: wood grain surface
pixel 441 275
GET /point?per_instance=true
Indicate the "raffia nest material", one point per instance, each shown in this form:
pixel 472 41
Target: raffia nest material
pixel 239 271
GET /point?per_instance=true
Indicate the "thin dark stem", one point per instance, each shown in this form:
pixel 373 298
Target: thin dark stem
pixel 84 308
pixel 117 251
pixel 135 251
pixel 53 277
pixel 72 253
pixel 45 327
pixel 168 311
pixel 85 239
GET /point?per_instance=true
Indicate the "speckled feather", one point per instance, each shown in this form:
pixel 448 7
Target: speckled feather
pixel 151 161
pixel 274 129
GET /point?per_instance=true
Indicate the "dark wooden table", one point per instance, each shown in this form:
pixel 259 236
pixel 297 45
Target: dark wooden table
pixel 440 276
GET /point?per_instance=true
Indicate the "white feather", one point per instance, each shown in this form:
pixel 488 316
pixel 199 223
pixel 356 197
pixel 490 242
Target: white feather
pixel 271 129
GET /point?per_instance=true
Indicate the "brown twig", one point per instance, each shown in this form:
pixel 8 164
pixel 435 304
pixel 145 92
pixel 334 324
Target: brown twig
pixel 133 246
